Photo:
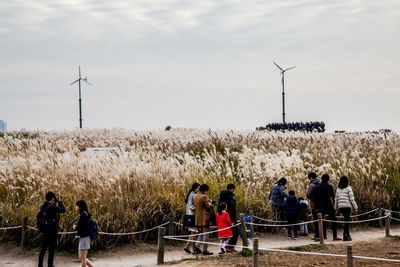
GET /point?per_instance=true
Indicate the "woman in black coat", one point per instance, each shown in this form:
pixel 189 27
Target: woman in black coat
pixel 83 232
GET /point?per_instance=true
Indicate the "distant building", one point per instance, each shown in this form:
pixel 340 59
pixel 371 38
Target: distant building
pixel 3 126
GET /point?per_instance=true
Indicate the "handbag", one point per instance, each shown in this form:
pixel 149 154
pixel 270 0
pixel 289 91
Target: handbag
pixel 213 216
pixel 189 220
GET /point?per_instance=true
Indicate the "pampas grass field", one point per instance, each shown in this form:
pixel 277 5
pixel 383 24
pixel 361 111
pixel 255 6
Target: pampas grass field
pixel 137 187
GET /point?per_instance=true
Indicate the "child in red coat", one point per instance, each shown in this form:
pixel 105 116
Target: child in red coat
pixel 223 222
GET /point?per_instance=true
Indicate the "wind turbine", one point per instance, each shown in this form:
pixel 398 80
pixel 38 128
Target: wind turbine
pixel 283 88
pixel 80 96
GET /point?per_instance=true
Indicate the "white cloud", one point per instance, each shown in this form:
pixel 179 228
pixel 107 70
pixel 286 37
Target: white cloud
pixel 177 50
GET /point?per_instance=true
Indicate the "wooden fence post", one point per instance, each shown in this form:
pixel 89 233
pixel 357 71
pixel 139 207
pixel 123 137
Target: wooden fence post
pixel 160 245
pixel 320 229
pixel 255 252
pixel 349 255
pixel 244 230
pixel 380 215
pixel 23 231
pixel 387 226
pixel 251 225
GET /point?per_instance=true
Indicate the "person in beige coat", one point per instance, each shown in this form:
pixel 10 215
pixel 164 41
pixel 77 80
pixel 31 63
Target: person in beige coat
pixel 345 202
pixel 202 220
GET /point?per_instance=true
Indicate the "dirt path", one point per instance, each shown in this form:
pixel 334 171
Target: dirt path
pixel 145 254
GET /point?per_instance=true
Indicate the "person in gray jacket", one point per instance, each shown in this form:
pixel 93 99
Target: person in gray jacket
pixel 314 182
pixel 345 202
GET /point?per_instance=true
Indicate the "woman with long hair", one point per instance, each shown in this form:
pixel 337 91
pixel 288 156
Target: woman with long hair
pixel 345 202
pixel 83 232
pixel 190 217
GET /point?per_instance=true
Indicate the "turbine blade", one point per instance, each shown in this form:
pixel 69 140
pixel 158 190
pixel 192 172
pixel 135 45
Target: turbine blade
pixel 290 68
pixel 277 66
pixel 74 82
pixel 86 81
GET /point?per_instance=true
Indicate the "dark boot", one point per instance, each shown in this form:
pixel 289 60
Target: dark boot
pixel 346 237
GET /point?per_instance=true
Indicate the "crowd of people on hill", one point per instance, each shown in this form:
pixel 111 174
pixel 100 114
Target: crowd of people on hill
pixel 318 126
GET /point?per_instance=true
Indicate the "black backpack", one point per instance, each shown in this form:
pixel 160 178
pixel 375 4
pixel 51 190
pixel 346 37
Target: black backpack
pixel 42 220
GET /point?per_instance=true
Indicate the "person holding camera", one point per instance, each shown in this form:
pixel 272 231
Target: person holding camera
pixel 49 213
pixel 203 216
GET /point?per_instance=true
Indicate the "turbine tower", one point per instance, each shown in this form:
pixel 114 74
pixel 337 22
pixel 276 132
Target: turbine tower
pixel 80 79
pixel 283 89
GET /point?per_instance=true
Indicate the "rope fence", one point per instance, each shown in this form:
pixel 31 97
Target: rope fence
pixel 255 248
pixel 362 221
pixel 11 227
pixel 285 250
pixel 281 225
pixel 161 233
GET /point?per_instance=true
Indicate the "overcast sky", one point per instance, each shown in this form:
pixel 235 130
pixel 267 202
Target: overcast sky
pixel 202 64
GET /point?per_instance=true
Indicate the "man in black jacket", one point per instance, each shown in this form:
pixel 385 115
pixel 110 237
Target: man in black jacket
pixel 49 235
pixel 229 198
pixel 324 199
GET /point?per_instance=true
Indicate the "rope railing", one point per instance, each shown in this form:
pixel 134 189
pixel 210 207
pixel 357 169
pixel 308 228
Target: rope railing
pixel 361 214
pixel 105 233
pixel 11 227
pixel 268 220
pixel 392 211
pixel 339 217
pixel 281 225
pixel 396 219
pixel 362 221
pixel 210 232
pixel 134 233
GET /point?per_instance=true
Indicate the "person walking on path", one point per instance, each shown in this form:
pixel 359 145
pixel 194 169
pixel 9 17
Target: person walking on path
pixel 345 202
pixel 202 220
pixel 277 197
pixel 190 217
pixel 223 222
pixel 50 212
pixel 303 216
pixel 83 232
pixel 314 182
pixel 228 197
pixel 292 207
pixel 324 201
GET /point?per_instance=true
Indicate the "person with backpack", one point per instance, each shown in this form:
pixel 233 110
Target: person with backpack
pixel 228 197
pixel 83 232
pixel 277 197
pixel 48 224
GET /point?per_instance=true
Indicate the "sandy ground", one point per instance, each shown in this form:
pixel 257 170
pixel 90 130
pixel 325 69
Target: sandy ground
pixel 145 254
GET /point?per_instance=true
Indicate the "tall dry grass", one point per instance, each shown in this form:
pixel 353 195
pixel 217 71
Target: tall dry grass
pixel 136 188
